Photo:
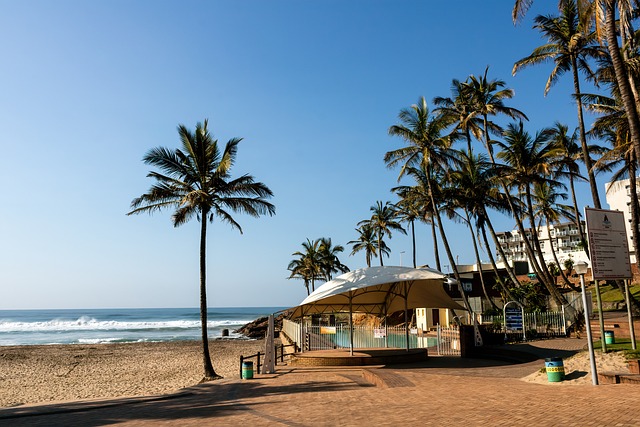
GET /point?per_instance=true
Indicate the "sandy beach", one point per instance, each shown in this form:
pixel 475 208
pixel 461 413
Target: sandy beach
pixel 47 373
pixel 577 368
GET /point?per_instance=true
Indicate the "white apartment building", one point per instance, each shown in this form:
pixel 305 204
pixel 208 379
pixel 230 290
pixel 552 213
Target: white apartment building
pixel 564 237
pixel 618 197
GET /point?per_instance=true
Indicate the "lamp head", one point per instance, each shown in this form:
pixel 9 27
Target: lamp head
pixel 581 267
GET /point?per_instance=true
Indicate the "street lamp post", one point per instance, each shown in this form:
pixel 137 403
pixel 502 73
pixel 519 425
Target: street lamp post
pixel 581 270
pixel 401 252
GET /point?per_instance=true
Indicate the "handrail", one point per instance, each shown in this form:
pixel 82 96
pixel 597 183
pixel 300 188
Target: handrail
pixel 257 355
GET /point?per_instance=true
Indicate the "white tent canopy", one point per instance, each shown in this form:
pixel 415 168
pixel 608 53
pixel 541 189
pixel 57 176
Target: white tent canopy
pixel 379 291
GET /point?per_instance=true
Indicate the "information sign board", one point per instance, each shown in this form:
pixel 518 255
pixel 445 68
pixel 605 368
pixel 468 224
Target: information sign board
pixel 608 245
pixel 513 318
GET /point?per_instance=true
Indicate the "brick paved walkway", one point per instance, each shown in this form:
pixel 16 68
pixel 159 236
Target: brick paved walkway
pixel 439 392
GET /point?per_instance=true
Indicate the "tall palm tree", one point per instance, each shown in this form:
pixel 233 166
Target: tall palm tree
pixel 300 270
pixel 329 261
pixel 367 242
pixel 548 210
pixel 459 110
pixel 567 167
pixel 429 153
pixel 570 46
pixel 383 221
pixel 603 14
pixel 473 187
pixel 308 264
pixel 196 181
pixel 417 196
pixel 409 212
pixel 530 160
pixel 487 98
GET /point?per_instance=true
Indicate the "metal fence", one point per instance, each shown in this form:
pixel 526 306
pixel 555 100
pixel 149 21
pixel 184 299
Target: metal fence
pixel 448 341
pixel 550 323
pixel 444 341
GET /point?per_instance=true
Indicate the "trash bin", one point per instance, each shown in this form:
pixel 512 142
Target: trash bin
pixel 225 332
pixel 247 370
pixel 609 337
pixel 555 369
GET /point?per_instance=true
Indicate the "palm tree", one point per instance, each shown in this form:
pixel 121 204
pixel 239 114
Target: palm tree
pixel 530 160
pixel 383 221
pixel 569 155
pixel 429 154
pixel 367 242
pixel 409 212
pixel 487 97
pixel 419 201
pixel 473 187
pixel 549 211
pixel 459 110
pixel 196 181
pixel 570 47
pixel 329 261
pixel 299 270
pixel 603 13
pixel 308 264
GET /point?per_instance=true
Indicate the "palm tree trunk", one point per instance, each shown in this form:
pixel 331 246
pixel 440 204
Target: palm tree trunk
pixel 583 239
pixel 436 251
pixel 533 260
pixel 516 217
pixel 510 272
pixel 621 75
pixel 583 139
pixel 548 280
pixel 555 258
pixel 380 249
pixel 478 261
pixel 209 373
pixel 445 242
pixel 413 241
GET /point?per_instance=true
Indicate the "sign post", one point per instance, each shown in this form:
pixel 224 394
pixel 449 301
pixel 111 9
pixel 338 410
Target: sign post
pixel 609 253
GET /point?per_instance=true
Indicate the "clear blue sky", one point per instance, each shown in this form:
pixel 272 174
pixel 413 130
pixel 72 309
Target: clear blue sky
pixel 312 86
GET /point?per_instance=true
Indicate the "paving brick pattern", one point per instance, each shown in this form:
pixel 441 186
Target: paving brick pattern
pixel 439 392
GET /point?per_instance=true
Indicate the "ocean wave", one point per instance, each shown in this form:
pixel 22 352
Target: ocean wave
pixel 85 323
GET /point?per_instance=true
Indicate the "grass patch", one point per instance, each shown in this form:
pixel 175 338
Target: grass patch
pixel 611 293
pixel 622 344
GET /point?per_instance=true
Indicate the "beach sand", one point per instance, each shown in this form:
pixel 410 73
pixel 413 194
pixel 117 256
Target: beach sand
pixel 48 373
pixel 44 374
pixel 577 368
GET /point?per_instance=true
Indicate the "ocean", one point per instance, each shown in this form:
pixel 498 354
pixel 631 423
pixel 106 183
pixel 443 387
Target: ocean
pixel 122 325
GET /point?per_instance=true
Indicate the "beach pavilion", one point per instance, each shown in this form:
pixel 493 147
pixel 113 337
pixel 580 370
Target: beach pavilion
pixel 378 291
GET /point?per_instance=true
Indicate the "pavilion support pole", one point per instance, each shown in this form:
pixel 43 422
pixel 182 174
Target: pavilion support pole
pixel 386 327
pixel 406 315
pixel 302 331
pixel 351 322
